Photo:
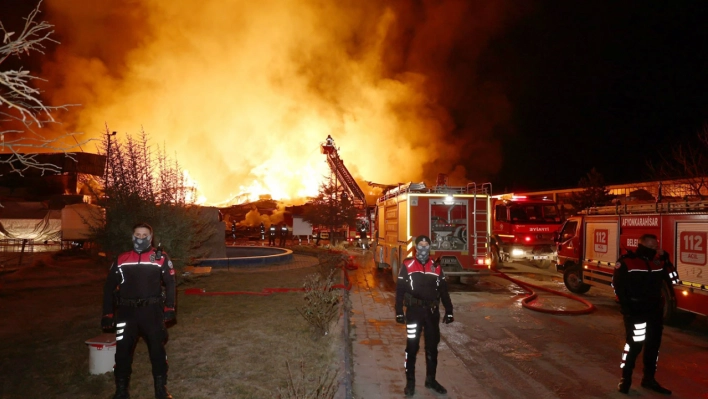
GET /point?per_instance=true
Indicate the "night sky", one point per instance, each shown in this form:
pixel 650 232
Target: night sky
pixel 602 84
pixel 565 86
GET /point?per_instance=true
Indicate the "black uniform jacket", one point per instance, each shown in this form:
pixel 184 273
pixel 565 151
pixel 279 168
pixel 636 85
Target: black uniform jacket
pixel 422 282
pixel 638 283
pixel 140 276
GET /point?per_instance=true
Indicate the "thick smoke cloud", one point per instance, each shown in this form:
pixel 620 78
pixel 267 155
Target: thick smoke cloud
pixel 244 91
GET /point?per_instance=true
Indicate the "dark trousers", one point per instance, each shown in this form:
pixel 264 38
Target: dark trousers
pixel 146 322
pixel 282 241
pixel 642 331
pixel 271 240
pixel 427 320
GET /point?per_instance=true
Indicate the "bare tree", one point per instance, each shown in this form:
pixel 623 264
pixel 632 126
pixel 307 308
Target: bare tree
pixel 22 110
pixel 686 164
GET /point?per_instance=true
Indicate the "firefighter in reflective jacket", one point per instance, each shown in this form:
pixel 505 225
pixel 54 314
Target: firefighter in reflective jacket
pixel 421 287
pixel 283 234
pixel 141 310
pixel 638 280
pixel 262 230
pixel 271 235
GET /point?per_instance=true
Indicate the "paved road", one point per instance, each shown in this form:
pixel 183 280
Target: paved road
pixel 497 349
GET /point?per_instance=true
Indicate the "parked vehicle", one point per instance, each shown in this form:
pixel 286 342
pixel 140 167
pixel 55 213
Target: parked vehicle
pixel 589 245
pixel 523 228
pixel 456 219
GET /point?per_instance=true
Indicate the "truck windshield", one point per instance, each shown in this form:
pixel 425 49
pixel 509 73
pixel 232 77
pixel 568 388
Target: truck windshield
pixel 534 213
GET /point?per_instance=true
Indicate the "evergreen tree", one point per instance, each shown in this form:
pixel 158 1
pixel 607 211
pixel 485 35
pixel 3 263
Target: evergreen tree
pixel 145 186
pixel 332 208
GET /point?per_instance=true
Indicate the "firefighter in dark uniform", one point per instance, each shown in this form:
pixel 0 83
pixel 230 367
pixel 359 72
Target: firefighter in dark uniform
pixel 363 236
pixel 638 281
pixel 283 234
pixel 262 230
pixel 421 287
pixel 233 230
pixel 141 309
pixel 271 235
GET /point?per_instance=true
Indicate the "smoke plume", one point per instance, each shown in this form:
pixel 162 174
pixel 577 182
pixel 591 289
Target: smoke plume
pixel 244 92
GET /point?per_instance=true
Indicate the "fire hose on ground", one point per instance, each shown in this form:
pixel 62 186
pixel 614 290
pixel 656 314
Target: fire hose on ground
pixel 526 302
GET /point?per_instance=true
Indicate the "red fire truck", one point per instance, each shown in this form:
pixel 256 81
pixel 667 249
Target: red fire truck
pixel 456 219
pixel 589 245
pixel 523 228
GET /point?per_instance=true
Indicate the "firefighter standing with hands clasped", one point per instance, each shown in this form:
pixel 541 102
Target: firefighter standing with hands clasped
pixel 638 280
pixel 421 287
pixel 141 310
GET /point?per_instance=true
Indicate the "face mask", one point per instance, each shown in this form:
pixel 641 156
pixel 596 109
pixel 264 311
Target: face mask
pixel 141 244
pixel 422 253
pixel 645 252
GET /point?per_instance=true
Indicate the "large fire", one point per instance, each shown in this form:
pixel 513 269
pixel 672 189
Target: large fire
pixel 244 92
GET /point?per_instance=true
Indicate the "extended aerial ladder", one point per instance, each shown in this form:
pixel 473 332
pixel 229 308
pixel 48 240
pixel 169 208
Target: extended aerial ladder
pixel 342 173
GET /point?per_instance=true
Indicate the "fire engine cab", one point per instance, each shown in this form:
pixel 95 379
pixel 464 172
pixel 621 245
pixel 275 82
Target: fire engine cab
pixel 457 220
pixel 589 245
pixel 523 228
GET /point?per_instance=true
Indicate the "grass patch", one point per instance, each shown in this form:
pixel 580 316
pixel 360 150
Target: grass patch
pixel 221 347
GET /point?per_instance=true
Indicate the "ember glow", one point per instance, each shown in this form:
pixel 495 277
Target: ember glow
pixel 244 92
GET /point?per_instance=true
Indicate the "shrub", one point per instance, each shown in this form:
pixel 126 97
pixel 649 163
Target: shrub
pixel 321 302
pixel 319 385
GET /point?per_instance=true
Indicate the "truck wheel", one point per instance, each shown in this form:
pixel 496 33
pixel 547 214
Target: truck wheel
pixel 394 266
pixel 453 279
pixel 573 280
pixel 496 258
pixel 541 264
pixel 378 256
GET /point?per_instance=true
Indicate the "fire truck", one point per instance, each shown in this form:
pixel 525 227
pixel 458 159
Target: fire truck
pixel 457 220
pixel 523 228
pixel 589 245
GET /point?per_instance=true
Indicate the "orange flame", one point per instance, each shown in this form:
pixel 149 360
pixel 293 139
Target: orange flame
pixel 244 92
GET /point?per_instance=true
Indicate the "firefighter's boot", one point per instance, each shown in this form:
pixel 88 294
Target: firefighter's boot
pixel 122 388
pixel 624 385
pixel 434 385
pixel 410 387
pixel 651 383
pixel 161 387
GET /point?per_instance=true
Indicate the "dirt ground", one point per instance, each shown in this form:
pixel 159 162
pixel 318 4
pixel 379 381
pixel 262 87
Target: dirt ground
pixel 220 347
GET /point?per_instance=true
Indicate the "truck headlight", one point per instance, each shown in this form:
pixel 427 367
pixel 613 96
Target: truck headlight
pixel 517 252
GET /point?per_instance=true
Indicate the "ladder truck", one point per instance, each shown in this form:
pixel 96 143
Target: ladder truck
pixel 345 178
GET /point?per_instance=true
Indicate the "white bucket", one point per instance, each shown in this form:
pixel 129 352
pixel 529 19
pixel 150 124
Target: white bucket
pixel 102 353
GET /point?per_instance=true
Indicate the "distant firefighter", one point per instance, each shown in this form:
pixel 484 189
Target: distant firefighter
pixel 330 140
pixel 271 235
pixel 233 230
pixel 262 232
pixel 283 234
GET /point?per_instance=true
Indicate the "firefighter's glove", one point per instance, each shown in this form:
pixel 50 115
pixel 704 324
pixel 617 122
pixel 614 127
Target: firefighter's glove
pixel 400 319
pixel 169 315
pixel 447 319
pixel 107 321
